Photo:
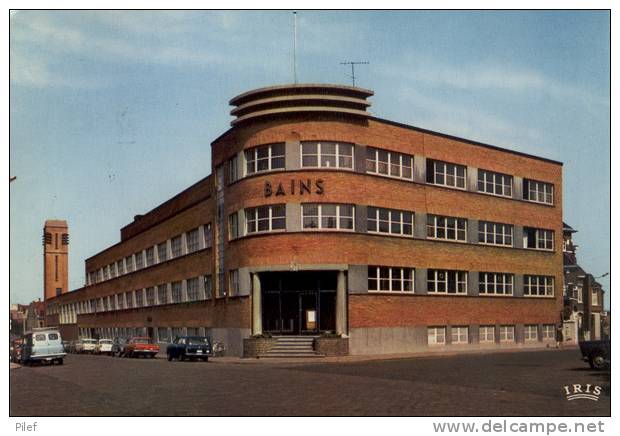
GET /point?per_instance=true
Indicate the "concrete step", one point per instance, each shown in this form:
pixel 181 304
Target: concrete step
pixel 270 354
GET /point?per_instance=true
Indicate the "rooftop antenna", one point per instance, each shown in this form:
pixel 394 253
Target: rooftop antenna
pixel 353 64
pixel 295 47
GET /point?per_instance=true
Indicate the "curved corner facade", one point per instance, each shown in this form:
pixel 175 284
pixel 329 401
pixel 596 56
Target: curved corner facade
pixel 321 220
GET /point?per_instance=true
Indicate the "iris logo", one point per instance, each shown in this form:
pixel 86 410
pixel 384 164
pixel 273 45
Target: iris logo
pixel 581 392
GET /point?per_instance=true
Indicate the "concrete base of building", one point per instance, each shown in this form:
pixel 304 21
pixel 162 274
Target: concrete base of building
pixel 398 340
pixel 231 338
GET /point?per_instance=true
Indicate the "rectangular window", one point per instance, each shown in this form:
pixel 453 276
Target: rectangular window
pixel 208 235
pixel 507 333
pixel 233 165
pixel 486 334
pixel 491 283
pixel 390 279
pixel 139 260
pixel 233 226
pixel 389 163
pixel 494 183
pixel 162 252
pixel 129 300
pixel 177 292
pixel 233 282
pixel 192 240
pixel 150 296
pixel 326 154
pixel 447 228
pixel 129 263
pixel 150 256
pixel 264 158
pixel 594 298
pixel 436 335
pixel 445 174
pixel 162 334
pixel 192 289
pixel 459 335
pixel 538 239
pixel 120 301
pixel 538 286
pixel 539 192
pixel 530 332
pixel 176 246
pixel 208 287
pixel 104 270
pixel 162 294
pixel 112 268
pixel 120 267
pixel 327 216
pixel 548 331
pixel 139 298
pixel 495 233
pixel 447 282
pixel 265 218
pixel 394 222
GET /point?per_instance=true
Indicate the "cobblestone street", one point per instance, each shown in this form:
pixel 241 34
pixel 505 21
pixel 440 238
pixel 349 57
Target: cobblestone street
pixel 504 384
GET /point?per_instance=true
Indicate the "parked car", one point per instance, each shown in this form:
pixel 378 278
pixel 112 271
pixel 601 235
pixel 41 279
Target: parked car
pixel 118 346
pixel 190 347
pixel 43 345
pixel 140 346
pixel 16 350
pixel 596 353
pixel 104 346
pixel 85 345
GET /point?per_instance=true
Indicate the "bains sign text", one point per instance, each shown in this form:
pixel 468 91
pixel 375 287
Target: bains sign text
pixel 294 187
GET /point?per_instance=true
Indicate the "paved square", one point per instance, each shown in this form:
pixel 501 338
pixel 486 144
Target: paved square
pixel 505 384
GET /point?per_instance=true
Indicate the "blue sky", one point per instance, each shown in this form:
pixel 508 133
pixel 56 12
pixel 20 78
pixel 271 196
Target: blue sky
pixel 112 113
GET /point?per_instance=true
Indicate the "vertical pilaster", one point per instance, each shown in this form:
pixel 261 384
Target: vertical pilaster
pixel 341 304
pixel 257 311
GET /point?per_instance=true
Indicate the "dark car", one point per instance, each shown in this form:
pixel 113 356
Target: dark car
pixel 118 346
pixel 596 353
pixel 190 347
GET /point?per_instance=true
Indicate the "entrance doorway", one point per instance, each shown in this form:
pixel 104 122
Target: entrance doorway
pixel 299 303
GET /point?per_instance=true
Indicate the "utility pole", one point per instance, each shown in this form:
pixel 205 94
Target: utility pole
pixel 353 64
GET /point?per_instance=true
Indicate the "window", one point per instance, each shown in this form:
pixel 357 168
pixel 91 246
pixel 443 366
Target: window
pixel 162 334
pixel 192 289
pixel 233 282
pixel 594 298
pixel 326 155
pixel 233 226
pixel 105 271
pixel 436 335
pixel 162 294
pixel 538 286
pixel 112 268
pixel 487 334
pixel 395 222
pixel 495 233
pixel 506 333
pixel 530 333
pixel 139 260
pixel 162 252
pixel 92 277
pixel 177 292
pixel 390 279
pixel 208 235
pixel 139 298
pixel 447 282
pixel 538 239
pixel 264 158
pixel 265 218
pixel 548 331
pixel 128 300
pixel 150 296
pixel 192 240
pixel 494 183
pixel 445 227
pixel 208 287
pixel 459 335
pixel 495 283
pixel 119 301
pixel 150 256
pixel 539 192
pixel 129 263
pixel 58 291
pixel 233 165
pixel 176 246
pixel 389 163
pixel 327 216
pixel 445 174
pixel 120 267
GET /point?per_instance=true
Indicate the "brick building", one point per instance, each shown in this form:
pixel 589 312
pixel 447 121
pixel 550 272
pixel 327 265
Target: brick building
pixel 322 218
